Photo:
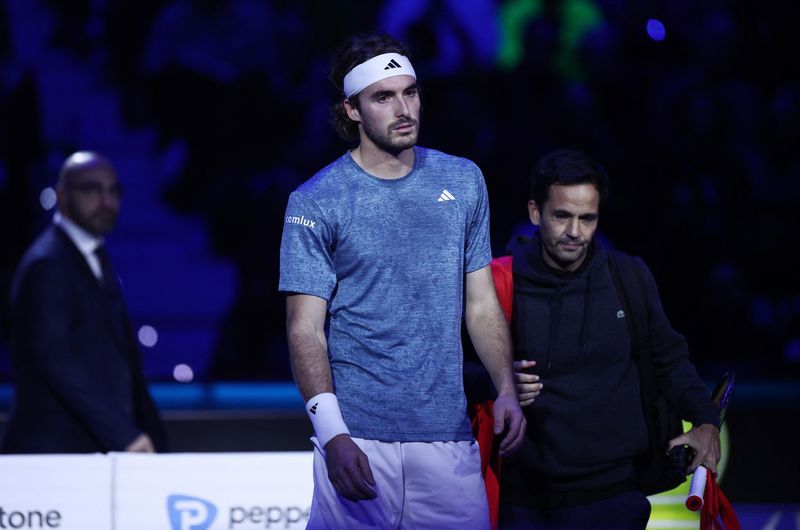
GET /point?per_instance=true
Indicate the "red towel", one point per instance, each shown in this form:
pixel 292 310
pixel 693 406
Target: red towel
pixel 481 414
pixel 717 512
pixel 483 428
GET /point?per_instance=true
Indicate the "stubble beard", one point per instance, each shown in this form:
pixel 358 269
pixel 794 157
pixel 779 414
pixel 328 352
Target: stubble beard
pixel 98 223
pixel 390 143
pixel 563 259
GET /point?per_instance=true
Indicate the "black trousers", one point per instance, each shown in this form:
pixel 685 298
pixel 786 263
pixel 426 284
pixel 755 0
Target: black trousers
pixel 626 511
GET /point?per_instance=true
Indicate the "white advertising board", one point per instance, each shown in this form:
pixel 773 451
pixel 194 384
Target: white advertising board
pixel 210 491
pixel 68 492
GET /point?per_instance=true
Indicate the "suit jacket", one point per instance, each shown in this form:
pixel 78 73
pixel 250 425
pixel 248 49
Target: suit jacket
pixel 79 384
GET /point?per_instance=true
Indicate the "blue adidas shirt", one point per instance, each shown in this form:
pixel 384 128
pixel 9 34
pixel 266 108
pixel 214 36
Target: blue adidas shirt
pixel 390 257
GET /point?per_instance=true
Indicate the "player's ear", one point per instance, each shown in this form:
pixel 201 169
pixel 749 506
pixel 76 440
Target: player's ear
pixel 352 111
pixel 534 212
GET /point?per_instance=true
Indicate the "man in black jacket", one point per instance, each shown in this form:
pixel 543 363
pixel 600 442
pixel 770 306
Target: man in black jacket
pixel 574 370
pixel 79 386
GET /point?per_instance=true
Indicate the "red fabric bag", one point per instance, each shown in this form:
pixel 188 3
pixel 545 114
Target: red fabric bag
pixel 482 417
pixel 717 512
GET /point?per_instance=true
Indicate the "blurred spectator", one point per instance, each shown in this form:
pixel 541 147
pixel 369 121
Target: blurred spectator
pixel 79 386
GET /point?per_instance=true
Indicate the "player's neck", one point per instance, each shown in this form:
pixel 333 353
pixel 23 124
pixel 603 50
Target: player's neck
pixel 383 164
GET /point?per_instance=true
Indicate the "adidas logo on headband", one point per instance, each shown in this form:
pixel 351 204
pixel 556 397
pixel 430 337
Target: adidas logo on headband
pixel 374 70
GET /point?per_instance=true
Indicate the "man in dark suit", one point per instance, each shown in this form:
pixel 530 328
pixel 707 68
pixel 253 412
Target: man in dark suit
pixel 79 383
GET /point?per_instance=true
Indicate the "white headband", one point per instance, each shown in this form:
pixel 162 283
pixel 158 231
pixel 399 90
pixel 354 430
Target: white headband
pixel 375 69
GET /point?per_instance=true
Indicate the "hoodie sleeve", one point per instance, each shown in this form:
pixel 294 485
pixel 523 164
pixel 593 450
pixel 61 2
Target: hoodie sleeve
pixel 677 376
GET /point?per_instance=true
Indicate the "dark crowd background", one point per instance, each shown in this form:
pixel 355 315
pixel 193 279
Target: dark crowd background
pixel 213 111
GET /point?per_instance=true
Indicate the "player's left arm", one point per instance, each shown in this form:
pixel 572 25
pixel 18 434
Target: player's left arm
pixel 488 330
pixel 681 381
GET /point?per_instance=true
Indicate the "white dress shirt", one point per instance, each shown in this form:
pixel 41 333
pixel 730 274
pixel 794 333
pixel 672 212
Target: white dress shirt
pixel 86 242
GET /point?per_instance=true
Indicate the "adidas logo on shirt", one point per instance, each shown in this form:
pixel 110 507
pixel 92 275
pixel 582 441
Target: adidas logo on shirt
pixel 446 196
pixel 392 64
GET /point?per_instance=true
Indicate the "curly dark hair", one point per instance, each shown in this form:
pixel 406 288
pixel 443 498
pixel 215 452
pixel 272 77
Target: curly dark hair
pixel 353 52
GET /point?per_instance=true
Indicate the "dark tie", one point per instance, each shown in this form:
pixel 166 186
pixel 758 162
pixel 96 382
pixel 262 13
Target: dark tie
pixel 111 288
pixel 118 321
pixel 109 279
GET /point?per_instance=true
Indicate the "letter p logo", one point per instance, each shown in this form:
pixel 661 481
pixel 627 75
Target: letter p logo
pixel 190 513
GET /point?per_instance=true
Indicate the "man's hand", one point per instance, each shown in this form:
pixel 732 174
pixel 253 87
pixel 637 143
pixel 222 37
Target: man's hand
pixel 348 469
pixel 508 412
pixel 704 439
pixel 528 385
pixel 141 444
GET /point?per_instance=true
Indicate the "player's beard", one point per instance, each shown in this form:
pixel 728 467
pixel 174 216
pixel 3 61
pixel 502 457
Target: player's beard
pixel 391 141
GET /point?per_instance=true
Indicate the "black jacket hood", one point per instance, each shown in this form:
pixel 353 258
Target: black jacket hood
pixel 529 266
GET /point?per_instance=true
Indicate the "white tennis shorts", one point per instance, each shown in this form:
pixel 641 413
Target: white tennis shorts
pixel 420 485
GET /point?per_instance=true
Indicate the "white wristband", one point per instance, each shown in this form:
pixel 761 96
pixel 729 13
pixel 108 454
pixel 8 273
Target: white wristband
pixel 323 409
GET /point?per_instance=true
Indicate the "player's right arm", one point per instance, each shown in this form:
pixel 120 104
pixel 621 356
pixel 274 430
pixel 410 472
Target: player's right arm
pixel 308 347
pixel 348 466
